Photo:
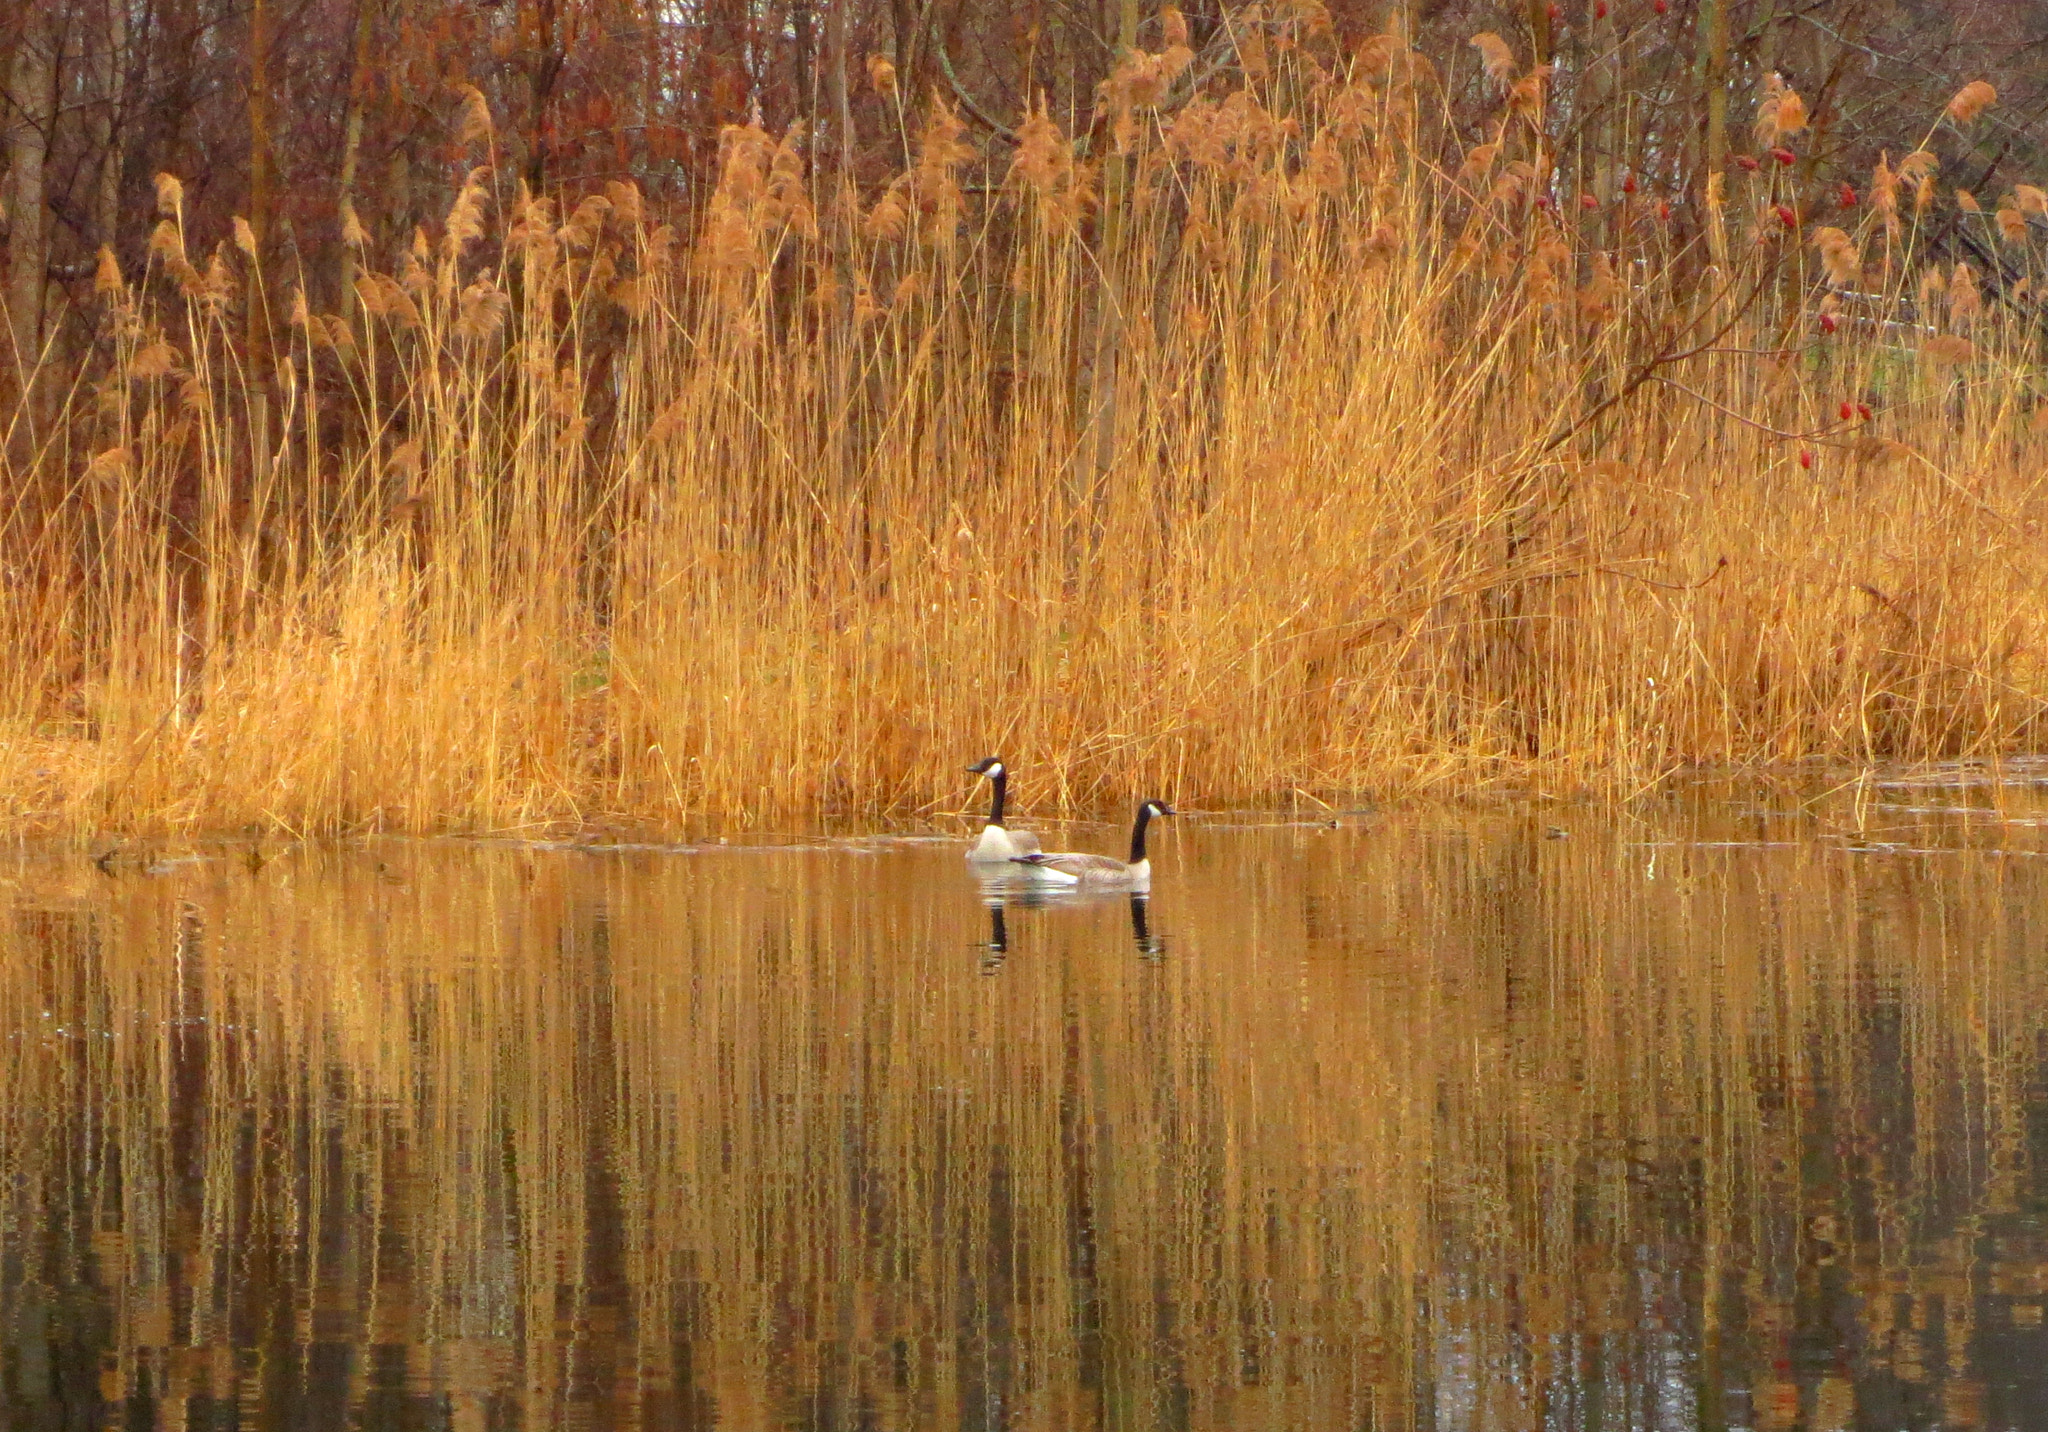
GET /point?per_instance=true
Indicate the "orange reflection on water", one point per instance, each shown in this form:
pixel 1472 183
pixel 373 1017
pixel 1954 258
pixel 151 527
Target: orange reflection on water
pixel 1693 1119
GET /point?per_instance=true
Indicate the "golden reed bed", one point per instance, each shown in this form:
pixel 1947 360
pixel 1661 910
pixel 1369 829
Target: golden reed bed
pixel 1268 451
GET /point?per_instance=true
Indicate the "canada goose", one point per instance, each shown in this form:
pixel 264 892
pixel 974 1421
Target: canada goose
pixel 998 843
pixel 1103 872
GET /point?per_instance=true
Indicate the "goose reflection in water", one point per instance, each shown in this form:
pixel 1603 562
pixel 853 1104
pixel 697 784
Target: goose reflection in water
pixel 1000 897
pixel 998 947
pixel 1150 946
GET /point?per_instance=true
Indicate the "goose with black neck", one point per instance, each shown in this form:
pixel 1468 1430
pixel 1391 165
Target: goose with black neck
pixel 997 843
pixel 1100 872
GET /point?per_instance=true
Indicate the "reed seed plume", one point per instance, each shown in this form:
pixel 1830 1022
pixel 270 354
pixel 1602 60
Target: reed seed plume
pixel 1972 100
pixel 1838 255
pixel 1272 436
pixel 1780 113
pixel 882 73
pixel 1495 57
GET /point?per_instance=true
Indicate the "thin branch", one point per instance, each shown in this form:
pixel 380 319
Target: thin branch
pixel 1719 567
pixel 967 101
pixel 1642 375
pixel 1818 435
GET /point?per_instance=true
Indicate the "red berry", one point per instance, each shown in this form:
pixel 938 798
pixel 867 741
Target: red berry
pixel 1556 13
pixel 1848 411
pixel 1786 217
pixel 1663 210
pixel 1543 202
pixel 1863 411
pixel 1782 154
pixel 1846 196
pixel 1747 161
pixel 1600 10
pixel 1806 459
pixel 1829 323
pixel 1587 201
pixel 1628 185
pixel 1662 7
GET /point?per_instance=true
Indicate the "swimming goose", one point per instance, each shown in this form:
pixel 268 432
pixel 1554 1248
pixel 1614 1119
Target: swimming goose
pixel 1102 872
pixel 998 843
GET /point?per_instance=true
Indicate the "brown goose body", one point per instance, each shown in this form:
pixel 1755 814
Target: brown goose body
pixel 1100 872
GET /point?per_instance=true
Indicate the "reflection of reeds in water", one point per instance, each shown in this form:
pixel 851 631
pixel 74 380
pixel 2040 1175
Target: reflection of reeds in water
pixel 1436 1123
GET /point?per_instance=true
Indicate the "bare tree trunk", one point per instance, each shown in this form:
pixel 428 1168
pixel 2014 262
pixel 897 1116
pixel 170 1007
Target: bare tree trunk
pixel 352 146
pixel 33 84
pixel 837 93
pixel 1541 44
pixel 168 77
pixel 1108 323
pixel 903 23
pixel 544 68
pixel 1713 80
pixel 260 181
pixel 112 138
pixel 803 86
pixel 1603 77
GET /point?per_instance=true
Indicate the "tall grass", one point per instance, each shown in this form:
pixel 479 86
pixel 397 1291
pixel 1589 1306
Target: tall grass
pixel 1267 442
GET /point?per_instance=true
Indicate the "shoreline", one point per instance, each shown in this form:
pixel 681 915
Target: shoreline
pixel 1790 786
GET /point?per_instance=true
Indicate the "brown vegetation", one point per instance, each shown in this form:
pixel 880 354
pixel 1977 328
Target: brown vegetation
pixel 1315 421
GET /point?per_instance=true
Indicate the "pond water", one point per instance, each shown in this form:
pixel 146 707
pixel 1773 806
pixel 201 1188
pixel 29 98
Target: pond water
pixel 1723 1111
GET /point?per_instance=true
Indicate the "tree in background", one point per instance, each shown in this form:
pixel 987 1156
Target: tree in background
pixel 335 127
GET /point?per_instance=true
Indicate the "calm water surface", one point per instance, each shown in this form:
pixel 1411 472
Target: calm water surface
pixel 1725 1113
